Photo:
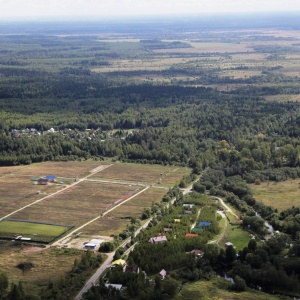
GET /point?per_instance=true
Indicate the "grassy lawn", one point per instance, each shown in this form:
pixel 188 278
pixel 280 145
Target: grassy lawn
pixel 281 195
pixel 218 289
pixel 236 235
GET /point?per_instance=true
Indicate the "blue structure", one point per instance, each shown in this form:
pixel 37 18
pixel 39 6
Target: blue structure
pixel 50 177
pixel 204 224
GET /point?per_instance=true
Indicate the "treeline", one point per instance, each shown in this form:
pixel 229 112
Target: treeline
pixel 238 193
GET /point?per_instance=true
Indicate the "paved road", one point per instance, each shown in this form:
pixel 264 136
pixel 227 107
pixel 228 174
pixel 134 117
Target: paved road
pixel 107 263
pixel 93 280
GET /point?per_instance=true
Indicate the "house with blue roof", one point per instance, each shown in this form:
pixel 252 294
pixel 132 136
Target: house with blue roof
pixel 204 224
pixel 50 178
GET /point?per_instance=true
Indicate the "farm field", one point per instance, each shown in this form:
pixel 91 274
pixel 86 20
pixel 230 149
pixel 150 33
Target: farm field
pixel 9 170
pixel 136 206
pixel 13 198
pixel 280 195
pixel 106 226
pixel 62 169
pixel 138 173
pixel 78 204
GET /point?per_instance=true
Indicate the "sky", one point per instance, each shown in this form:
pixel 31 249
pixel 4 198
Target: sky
pixel 19 9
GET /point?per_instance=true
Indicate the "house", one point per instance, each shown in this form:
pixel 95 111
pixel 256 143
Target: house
pixel 191 234
pixel 162 274
pixel 228 244
pixel 204 224
pixel 158 239
pixel 132 269
pixel 177 220
pixel 51 178
pixel 187 212
pixel 197 253
pixel 166 229
pixel 43 181
pixel 197 230
pixel 119 262
pixel 190 206
pixel 118 287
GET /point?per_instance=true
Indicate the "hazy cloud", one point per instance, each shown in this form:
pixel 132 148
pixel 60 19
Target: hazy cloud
pixel 35 8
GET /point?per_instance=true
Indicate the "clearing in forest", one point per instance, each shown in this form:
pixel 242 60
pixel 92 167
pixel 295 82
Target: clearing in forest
pixel 281 195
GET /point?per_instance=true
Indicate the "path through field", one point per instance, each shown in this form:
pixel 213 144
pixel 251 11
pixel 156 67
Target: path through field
pixel 53 194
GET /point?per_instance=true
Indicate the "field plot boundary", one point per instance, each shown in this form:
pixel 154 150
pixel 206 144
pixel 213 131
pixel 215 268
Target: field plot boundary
pixel 67 237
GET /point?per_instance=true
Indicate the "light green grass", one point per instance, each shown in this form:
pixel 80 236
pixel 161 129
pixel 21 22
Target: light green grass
pixel 16 227
pixel 239 237
pixel 218 289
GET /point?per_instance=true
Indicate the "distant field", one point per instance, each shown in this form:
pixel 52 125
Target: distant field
pixel 280 195
pixel 37 232
pixel 208 47
pixel 283 98
pixel 174 177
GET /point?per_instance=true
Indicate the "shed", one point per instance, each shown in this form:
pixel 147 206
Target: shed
pixel 90 246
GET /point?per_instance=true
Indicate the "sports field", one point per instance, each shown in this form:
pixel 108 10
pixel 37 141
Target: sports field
pixel 35 231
